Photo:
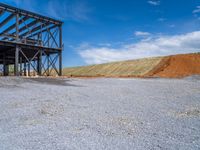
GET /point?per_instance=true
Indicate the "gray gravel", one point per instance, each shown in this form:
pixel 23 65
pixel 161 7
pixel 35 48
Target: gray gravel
pixel 60 114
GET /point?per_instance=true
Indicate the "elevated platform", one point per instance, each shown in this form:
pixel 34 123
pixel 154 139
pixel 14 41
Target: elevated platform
pixel 29 41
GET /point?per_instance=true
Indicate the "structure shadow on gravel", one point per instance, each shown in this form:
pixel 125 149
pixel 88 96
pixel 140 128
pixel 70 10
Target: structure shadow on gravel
pixel 53 81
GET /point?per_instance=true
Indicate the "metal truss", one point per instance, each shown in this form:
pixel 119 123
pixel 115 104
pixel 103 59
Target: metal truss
pixel 33 41
pixel 41 63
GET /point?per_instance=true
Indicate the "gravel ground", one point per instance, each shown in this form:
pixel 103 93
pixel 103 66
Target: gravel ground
pixel 60 114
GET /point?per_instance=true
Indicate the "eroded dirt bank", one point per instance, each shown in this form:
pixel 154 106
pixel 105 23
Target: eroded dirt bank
pixel 177 66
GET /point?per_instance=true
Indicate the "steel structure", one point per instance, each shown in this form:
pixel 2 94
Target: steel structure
pixel 29 41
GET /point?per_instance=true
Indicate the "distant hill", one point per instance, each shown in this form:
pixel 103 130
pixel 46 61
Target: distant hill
pixel 175 66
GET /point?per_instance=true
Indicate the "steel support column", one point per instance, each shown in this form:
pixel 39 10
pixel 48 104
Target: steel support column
pixel 39 63
pixel 60 53
pixel 20 63
pixel 60 63
pixel 16 61
pixel 17 47
pixel 5 66
pixel 29 69
pixel 25 68
pixel 17 27
pixel 48 65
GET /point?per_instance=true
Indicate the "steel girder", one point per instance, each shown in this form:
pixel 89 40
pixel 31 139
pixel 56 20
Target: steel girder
pixel 26 27
pixel 41 63
pixel 33 41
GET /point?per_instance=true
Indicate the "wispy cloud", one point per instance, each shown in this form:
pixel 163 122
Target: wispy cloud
pixel 197 10
pixel 105 44
pixel 78 11
pixel 141 33
pixel 30 4
pixel 66 10
pixel 171 25
pixel 154 2
pixel 163 45
pixel 162 19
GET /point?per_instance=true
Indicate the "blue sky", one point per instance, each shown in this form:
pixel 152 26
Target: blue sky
pixel 100 31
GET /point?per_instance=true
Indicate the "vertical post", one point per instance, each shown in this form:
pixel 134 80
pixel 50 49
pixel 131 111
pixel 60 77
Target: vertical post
pixel 6 70
pixel 40 39
pixel 60 63
pixel 17 27
pixel 38 36
pixel 17 48
pixel 48 39
pixel 20 63
pixel 29 69
pixel 5 65
pixel 60 53
pixel 16 61
pixel 25 68
pixel 34 69
pixel 48 65
pixel 39 63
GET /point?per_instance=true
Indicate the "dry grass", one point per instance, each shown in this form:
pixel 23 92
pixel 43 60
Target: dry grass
pixel 116 69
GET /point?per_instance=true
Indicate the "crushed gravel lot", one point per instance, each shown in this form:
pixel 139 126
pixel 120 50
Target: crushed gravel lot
pixel 103 113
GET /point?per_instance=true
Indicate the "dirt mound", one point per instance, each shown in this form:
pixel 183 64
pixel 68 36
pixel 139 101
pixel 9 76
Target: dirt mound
pixel 177 66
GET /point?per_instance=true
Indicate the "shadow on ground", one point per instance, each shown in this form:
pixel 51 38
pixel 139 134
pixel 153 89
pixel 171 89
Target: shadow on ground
pixel 52 81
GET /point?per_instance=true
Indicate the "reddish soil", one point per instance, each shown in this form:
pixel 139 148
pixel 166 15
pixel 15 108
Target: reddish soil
pixel 177 66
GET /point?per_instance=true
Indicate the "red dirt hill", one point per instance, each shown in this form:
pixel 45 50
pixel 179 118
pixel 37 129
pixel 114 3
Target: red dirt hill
pixel 177 66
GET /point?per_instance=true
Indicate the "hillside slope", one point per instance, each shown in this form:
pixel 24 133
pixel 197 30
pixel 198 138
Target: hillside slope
pixel 116 69
pixel 175 66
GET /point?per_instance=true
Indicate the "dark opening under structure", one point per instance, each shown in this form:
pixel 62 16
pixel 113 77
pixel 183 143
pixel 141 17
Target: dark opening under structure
pixel 30 42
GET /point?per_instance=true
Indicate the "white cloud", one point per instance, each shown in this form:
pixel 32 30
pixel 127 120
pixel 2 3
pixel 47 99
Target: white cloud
pixel 105 44
pixel 197 10
pixel 160 46
pixel 171 25
pixel 75 10
pixel 162 19
pixel 30 4
pixel 155 2
pixel 65 10
pixel 141 33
